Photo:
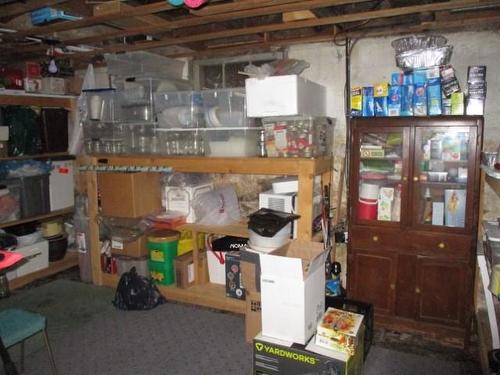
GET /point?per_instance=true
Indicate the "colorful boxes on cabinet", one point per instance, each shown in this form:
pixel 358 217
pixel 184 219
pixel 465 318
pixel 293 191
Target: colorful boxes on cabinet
pixel 338 329
pixel 298 136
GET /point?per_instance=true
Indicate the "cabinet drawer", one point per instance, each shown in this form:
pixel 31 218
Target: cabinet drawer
pixel 439 244
pixel 377 239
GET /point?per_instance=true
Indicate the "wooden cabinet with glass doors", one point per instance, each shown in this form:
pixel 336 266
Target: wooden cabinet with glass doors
pixel 414 196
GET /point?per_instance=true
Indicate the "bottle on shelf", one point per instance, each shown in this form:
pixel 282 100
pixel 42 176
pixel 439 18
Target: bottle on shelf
pixel 428 207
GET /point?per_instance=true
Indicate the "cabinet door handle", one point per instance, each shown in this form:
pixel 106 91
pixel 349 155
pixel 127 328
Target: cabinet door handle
pixel 417 290
pixel 392 286
pixel 415 178
pixel 375 238
pixel 405 178
pixel 441 245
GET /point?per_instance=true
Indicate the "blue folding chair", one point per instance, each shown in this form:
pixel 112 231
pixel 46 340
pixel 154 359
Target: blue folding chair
pixel 18 325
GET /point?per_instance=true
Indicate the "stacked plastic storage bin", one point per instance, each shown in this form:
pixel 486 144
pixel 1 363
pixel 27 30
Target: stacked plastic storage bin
pixel 180 122
pixel 229 132
pixel 162 247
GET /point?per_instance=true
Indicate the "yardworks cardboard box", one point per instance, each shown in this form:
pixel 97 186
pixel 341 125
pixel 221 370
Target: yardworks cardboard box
pixel 292 284
pixel 288 95
pixel 129 194
pixel 273 357
pixel 250 273
pixel 135 248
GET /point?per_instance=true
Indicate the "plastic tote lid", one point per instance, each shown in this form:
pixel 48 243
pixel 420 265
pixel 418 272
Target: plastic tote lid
pixel 164 235
pixel 268 222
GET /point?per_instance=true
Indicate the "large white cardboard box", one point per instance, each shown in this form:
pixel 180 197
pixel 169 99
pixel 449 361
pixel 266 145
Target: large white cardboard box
pixel 293 290
pixel 289 95
pixel 37 256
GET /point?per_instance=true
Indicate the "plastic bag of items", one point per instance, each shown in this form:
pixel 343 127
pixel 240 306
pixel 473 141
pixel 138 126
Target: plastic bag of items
pixel 421 51
pixel 217 207
pixel 136 292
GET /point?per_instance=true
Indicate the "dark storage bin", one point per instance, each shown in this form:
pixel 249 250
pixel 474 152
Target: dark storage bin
pixel 54 129
pixel 357 307
pixel 34 194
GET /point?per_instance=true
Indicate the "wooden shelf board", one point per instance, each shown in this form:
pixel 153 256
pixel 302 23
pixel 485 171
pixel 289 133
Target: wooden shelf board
pixel 208 295
pixel 237 230
pixel 37 156
pixel 69 260
pixel 265 166
pixel 64 211
pixel 14 97
pixel 494 183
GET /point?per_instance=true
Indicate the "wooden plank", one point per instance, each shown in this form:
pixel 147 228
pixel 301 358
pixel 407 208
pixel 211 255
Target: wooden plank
pixel 69 260
pixel 65 211
pixel 56 101
pixel 93 227
pixel 194 21
pixel 298 15
pixel 94 20
pixel 265 166
pixel 18 8
pixel 110 7
pixel 494 184
pixel 360 16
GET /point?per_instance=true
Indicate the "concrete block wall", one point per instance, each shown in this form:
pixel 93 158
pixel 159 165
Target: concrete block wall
pixel 372 60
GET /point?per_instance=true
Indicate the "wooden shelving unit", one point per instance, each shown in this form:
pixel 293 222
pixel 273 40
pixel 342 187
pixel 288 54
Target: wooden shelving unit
pixel 16 97
pixel 70 260
pixel 207 294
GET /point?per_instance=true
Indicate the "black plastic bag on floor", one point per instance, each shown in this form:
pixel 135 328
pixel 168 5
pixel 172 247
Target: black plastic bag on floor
pixel 136 292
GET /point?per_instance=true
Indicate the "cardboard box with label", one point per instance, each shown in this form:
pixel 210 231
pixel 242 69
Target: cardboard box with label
pixel 234 282
pixel 250 274
pixel 276 357
pixel 129 194
pixel 292 284
pixel 287 95
pixel 184 270
pixel 136 248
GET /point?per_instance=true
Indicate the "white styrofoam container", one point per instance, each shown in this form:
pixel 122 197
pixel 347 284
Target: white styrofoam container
pixel 216 269
pixel 293 290
pixel 61 185
pixel 176 198
pixel 288 95
pixel 37 256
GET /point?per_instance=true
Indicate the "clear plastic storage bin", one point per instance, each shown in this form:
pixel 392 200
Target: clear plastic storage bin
pixel 181 141
pixel 136 98
pixel 102 104
pixel 144 64
pixel 120 138
pixel 237 142
pixel 179 109
pixel 225 108
pixel 298 136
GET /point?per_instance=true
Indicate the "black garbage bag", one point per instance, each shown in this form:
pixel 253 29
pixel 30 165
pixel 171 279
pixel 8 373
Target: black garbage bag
pixel 136 292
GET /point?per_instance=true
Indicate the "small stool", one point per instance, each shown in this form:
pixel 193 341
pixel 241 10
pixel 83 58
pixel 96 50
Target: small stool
pixel 18 325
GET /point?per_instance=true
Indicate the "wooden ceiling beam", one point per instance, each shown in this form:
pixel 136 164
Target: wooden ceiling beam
pixel 94 20
pixel 278 6
pixel 360 16
pixel 19 8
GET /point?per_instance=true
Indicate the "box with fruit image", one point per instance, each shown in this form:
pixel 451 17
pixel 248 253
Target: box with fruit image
pixel 338 329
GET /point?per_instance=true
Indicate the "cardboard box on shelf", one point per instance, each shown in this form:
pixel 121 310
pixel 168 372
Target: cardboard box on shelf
pixel 135 248
pixel 250 273
pixel 276 357
pixel 287 95
pixel 184 270
pixel 234 282
pixel 129 194
pixel 293 290
pixel 37 256
pixel 176 198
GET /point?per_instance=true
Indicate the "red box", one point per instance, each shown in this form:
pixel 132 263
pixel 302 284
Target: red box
pixel 12 78
pixel 32 70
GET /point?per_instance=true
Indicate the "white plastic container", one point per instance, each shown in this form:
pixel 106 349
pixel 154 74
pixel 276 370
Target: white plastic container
pixel 368 191
pixel 225 107
pixel 268 243
pixel 237 142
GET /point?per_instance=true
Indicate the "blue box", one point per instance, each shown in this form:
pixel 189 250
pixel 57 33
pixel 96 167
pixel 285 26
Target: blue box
pixel 381 108
pixel 434 97
pixel 420 100
pixel 419 77
pixel 394 101
pixel 397 78
pixel 368 102
pixel 408 79
pixel 407 100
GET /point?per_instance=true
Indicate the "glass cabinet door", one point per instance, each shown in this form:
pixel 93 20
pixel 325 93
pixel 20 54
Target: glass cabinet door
pixel 440 174
pixel 383 155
